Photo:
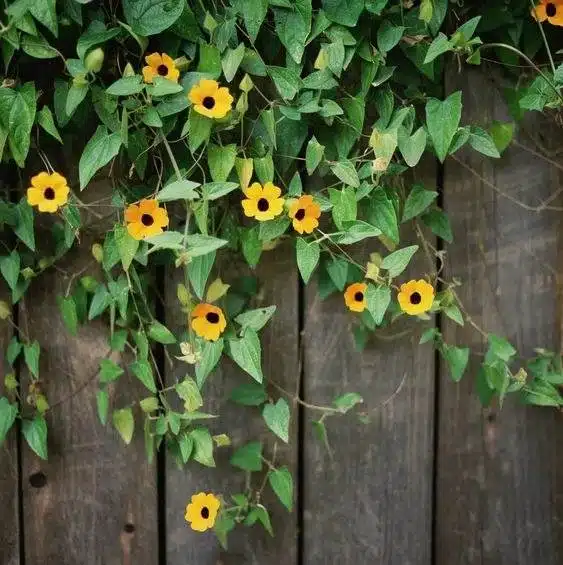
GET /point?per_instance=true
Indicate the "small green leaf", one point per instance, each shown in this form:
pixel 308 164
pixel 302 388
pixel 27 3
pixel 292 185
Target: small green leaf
pixel 481 141
pixel 178 190
pixel 199 129
pixel 255 319
pixel 35 433
pixel 143 371
pixel 347 401
pixel 439 46
pixel 102 405
pixel 99 151
pixel 203 446
pixel 100 301
pixel 231 61
pixel 8 413
pixel 502 134
pixel 442 120
pixel 456 358
pixel 109 371
pixel 418 201
pixel 214 190
pixel 307 257
pixel 199 270
pixel 346 172
pixel 378 299
pixel 149 404
pixel 412 147
pixel 499 348
pixel 31 354
pixel 287 82
pixel 248 457
pixel 438 222
pixel 126 245
pixel 398 261
pixel 10 268
pixel 46 121
pixel 188 391
pixel 147 17
pixel 246 353
pixel 313 155
pixel 221 160
pixel 249 394
pixel 388 35
pixel 124 423
pixel 24 225
pixel 202 244
pixel 162 86
pixel 160 333
pixel 382 214
pixel 276 417
pixel 281 482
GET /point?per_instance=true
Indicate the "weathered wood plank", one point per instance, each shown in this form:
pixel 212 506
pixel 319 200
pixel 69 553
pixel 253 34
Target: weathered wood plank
pixel 500 474
pixel 372 501
pixel 9 507
pixel 278 279
pixel 94 500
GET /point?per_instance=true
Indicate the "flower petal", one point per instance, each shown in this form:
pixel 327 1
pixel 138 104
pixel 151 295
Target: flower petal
pixel 154 60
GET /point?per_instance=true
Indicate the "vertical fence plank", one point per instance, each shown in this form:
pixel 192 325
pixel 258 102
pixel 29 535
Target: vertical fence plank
pixel 371 501
pixel 500 473
pixel 9 507
pixel 94 500
pixel 278 279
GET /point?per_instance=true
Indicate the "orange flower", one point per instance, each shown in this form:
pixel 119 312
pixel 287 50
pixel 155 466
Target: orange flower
pixel 550 10
pixel 208 321
pixel 48 192
pixel 416 297
pixel 262 202
pixel 355 297
pixel 202 511
pixel 210 100
pixel 305 213
pixel 160 66
pixel 145 219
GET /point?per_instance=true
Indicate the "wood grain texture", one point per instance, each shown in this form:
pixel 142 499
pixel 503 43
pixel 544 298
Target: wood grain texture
pixel 277 276
pixel 500 473
pixel 9 508
pixel 95 485
pixel 371 503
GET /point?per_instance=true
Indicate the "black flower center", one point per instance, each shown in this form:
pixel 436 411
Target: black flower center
pixel 49 193
pixel 147 220
pixel 212 318
pixel 359 296
pixel 416 298
pixel 550 9
pixel 208 102
pixel 162 70
pixel 263 205
pixel 205 510
pixel 300 214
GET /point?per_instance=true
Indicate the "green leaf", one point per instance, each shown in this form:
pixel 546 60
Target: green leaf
pixel 438 222
pixel 287 82
pixel 231 61
pixel 35 433
pixel 255 319
pixel 198 272
pixel 38 47
pixel 378 299
pixel 418 201
pixel 75 96
pixel 124 423
pixel 214 190
pixel 102 405
pixel 337 269
pixel 481 141
pixel 46 121
pixel 499 348
pixel 221 160
pixel 439 46
pixel 160 333
pixel 126 86
pixel 442 120
pixel 178 190
pixel 199 129
pixel 259 513
pixel 347 401
pixel 188 391
pixel 382 215
pixel 412 147
pixel 502 134
pixel 93 36
pixel 249 394
pixel 67 306
pixel 344 12
pixel 203 446
pixel 264 168
pixel 149 17
pixel 202 244
pixel 143 371
pixel 388 35
pixel 281 482
pixel 293 27
pixel 149 404
pixel 272 229
pixel 276 417
pixel 24 226
pixel 398 261
pixel 456 358
pixel 356 231
pixel 152 118
pixel 346 172
pixel 100 301
pixel 253 13
pixel 126 245
pixel 99 151
pixel 8 413
pixel 454 313
pixel 307 257
pixel 31 353
pixel 251 245
pixel 118 340
pixel 109 371
pixel 248 457
pixel 162 86
pixel 313 155
pixel 246 353
pixel 10 268
pixel 345 207
pixel 210 356
pixel 44 11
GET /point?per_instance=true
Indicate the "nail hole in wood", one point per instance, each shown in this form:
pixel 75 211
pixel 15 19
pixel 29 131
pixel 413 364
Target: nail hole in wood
pixel 491 417
pixel 38 480
pixel 129 528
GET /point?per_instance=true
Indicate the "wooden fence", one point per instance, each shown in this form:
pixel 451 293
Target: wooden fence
pixel 433 479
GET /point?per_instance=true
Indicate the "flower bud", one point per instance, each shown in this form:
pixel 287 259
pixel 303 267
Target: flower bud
pixel 98 252
pixel 94 60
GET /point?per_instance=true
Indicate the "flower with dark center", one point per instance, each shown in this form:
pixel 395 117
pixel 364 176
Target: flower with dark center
pixel 145 219
pixel 416 297
pixel 208 321
pixel 263 202
pixel 305 213
pixel 201 512
pixel 162 65
pixel 550 10
pixel 48 191
pixel 355 297
pixel 210 100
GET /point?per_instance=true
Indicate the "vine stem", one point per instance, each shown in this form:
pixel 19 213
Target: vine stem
pixel 552 64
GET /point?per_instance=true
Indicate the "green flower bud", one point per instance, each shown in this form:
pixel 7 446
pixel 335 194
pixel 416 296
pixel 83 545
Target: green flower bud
pixel 98 252
pixel 128 71
pixel 94 60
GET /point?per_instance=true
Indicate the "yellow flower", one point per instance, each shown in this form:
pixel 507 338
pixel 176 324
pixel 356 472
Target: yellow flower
pixel 208 321
pixel 160 66
pixel 202 511
pixel 209 99
pixel 552 11
pixel 305 214
pixel 48 192
pixel 355 297
pixel 263 202
pixel 416 297
pixel 145 219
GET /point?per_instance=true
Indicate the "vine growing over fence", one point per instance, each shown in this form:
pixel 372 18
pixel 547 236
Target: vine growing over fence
pixel 228 127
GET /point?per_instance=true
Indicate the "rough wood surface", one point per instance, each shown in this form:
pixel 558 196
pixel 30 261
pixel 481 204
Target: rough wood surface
pixel 500 473
pixel 9 518
pixel 277 272
pixel 93 484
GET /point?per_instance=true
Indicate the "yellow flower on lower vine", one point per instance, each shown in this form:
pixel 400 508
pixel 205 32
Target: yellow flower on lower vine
pixel 263 202
pixel 160 66
pixel 416 297
pixel 355 297
pixel 48 191
pixel 210 99
pixel 550 10
pixel 305 213
pixel 202 511
pixel 208 321
pixel 145 219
